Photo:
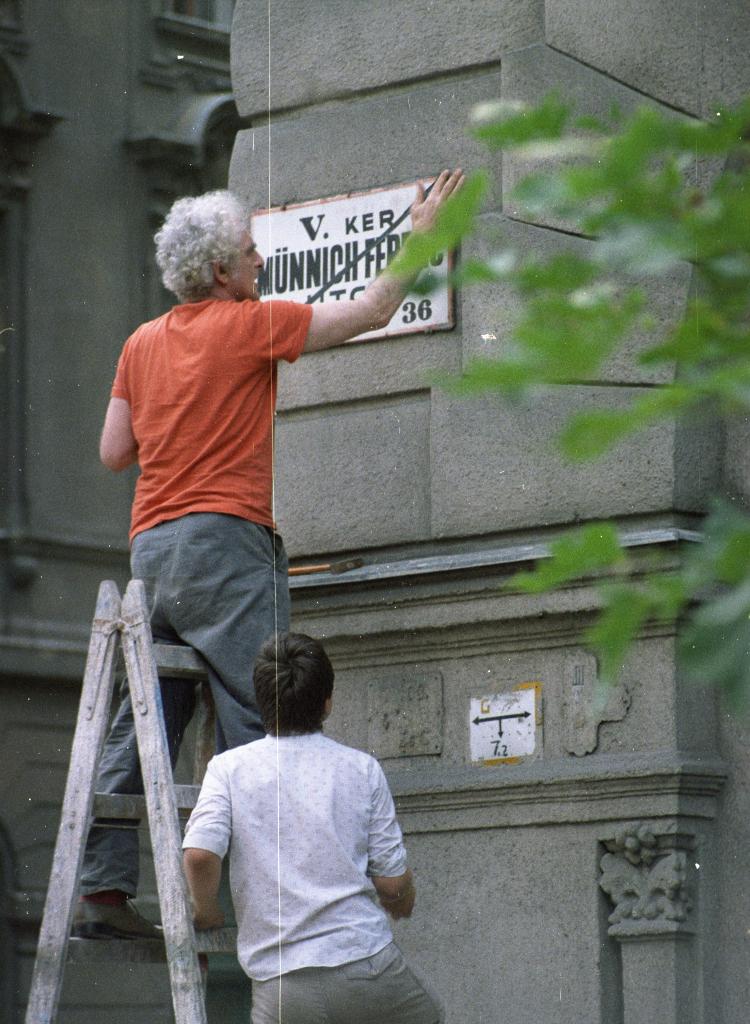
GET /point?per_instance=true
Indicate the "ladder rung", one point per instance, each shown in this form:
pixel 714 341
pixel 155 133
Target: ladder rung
pixel 218 940
pixel 179 661
pixel 175 661
pixel 132 806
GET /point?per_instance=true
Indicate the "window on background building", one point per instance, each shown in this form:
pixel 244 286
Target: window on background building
pixel 8 957
pixel 9 13
pixel 212 12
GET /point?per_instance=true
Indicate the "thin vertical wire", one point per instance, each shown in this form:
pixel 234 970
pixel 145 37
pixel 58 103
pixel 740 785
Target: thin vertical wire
pixel 696 170
pixel 269 250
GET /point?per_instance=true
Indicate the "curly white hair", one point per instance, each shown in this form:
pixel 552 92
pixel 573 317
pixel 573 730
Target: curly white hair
pixel 197 231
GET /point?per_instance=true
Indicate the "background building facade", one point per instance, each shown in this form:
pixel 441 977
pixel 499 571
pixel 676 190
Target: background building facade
pixel 109 110
pixel 530 874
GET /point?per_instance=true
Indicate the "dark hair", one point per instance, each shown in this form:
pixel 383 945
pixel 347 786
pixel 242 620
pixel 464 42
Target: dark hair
pixel 293 679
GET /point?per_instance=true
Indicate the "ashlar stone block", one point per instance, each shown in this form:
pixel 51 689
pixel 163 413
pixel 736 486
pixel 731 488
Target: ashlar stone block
pixel 367 370
pixel 405 712
pixel 347 47
pixel 387 138
pixel 529 75
pixel 691 57
pixel 354 475
pixel 491 312
pixel 737 456
pixel 495 467
pixel 525 922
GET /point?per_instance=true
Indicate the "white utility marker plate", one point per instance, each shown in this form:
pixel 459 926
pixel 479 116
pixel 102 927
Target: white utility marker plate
pixel 503 727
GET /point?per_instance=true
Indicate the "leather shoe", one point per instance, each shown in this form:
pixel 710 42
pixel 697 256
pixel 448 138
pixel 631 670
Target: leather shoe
pixel 103 921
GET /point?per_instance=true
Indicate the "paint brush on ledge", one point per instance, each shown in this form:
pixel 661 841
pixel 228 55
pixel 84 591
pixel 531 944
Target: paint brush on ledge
pixel 332 567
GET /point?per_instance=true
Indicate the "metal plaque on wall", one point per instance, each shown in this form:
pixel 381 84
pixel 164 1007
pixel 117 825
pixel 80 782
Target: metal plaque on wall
pixel 504 727
pixel 328 250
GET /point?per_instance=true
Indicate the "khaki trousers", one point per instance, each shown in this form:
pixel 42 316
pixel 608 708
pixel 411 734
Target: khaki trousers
pixel 381 989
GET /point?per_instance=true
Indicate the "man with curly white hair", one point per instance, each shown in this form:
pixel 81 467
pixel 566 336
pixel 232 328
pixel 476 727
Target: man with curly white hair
pixel 192 403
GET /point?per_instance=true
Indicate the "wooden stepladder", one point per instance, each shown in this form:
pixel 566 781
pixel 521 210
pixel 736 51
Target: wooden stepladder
pixel 125 623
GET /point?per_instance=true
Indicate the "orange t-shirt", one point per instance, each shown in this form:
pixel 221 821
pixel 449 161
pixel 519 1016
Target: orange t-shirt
pixel 201 385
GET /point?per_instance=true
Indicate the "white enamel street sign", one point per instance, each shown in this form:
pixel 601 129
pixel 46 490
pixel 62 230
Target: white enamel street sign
pixel 503 727
pixel 328 250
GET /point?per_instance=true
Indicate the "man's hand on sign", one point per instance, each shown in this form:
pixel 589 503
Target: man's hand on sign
pixel 424 210
pixel 337 322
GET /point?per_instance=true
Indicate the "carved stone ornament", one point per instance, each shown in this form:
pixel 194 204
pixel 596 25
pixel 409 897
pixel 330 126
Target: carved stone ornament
pixel 405 713
pixel 647 881
pixel 585 708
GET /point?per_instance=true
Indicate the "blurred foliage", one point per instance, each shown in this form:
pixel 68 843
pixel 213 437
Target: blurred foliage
pixel 648 195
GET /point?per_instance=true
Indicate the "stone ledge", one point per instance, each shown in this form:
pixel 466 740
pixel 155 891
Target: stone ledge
pixel 561 791
pixel 443 564
pixel 645 931
pixel 457 597
pixel 44 657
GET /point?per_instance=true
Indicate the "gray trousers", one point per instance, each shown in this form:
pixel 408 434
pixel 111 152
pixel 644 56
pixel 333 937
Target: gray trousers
pixel 219 584
pixel 381 989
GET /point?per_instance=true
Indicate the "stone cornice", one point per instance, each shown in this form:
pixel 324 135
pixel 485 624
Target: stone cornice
pixel 21 125
pixel 44 656
pixel 182 27
pixel 600 789
pixel 171 158
pixel 438 603
pixel 458 605
pixel 559 791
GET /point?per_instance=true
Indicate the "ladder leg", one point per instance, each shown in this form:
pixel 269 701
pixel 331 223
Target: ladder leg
pixel 205 733
pixel 166 838
pixel 93 714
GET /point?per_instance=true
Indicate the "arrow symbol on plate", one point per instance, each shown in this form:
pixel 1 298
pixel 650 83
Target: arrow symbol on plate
pixel 500 719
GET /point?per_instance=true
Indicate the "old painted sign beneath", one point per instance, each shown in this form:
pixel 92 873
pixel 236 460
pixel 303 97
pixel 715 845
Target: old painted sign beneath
pixel 329 250
pixel 503 727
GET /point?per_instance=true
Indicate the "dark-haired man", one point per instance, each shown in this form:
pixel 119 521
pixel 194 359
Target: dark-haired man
pixel 316 859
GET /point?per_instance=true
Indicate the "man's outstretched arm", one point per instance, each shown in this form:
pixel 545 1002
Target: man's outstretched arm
pixel 338 322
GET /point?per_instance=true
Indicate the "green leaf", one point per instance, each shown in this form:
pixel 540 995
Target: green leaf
pixel 642 248
pixel 562 273
pixel 588 435
pixel 715 645
pixel 698 336
pixel 733 563
pixel 626 610
pixel 474 271
pixel 724 555
pixel 482 375
pixel 455 219
pixel 541 193
pixel 668 594
pixel 502 125
pixel 576 554
pixel 631 191
pixel 627 607
pixel 569 147
pixel 589 123
pixel 567 337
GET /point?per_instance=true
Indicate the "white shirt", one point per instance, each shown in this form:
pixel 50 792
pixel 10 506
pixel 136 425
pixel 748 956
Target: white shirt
pixel 306 821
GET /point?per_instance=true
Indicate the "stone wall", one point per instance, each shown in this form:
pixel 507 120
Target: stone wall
pixel 585 883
